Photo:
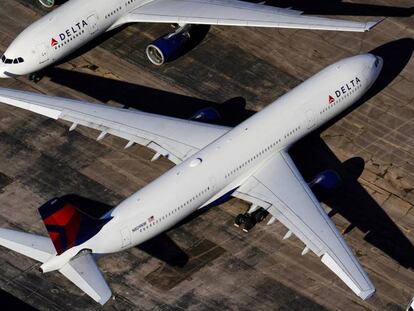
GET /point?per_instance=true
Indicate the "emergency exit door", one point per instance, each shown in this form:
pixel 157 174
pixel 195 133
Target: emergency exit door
pixel 310 115
pixel 93 24
pixel 42 53
pixel 126 237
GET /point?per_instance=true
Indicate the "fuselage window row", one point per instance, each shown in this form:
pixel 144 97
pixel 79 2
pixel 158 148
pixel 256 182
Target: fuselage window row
pixel 256 156
pixel 69 39
pixel 340 99
pixel 174 210
pixel 119 9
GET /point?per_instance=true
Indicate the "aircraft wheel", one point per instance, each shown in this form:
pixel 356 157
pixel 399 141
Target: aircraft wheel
pixel 239 220
pixel 249 224
pixel 260 215
pixel 35 77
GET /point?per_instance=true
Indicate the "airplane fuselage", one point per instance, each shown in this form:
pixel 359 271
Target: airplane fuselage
pixel 223 165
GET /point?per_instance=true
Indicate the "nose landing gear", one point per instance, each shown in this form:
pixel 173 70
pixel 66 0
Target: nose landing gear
pixel 36 76
pixel 248 220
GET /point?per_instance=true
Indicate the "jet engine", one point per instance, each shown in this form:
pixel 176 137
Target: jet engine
pixel 169 46
pixel 173 45
pixel 208 115
pixel 328 180
pixel 47 3
pixel 51 3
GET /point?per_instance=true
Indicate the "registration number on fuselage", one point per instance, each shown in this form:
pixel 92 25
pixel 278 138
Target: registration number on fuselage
pixel 139 226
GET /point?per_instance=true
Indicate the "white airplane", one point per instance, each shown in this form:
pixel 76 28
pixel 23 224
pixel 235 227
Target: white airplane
pixel 77 22
pixel 249 161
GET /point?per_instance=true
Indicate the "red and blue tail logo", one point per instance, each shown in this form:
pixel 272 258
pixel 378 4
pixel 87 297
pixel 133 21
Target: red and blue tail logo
pixel 68 226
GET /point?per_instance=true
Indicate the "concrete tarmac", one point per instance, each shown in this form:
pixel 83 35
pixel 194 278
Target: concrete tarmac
pixel 207 263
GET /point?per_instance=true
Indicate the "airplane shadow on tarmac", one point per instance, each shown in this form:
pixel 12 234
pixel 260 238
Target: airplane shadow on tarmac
pixel 148 99
pixel 311 154
pixel 338 7
pixel 333 7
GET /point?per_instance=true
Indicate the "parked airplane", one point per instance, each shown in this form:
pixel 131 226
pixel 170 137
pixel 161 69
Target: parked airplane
pixel 77 22
pixel 250 162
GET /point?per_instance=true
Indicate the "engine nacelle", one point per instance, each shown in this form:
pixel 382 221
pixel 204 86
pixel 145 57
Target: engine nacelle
pixel 168 47
pixel 208 114
pixel 47 3
pixel 328 179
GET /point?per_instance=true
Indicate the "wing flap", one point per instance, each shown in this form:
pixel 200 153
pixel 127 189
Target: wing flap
pixel 234 13
pixel 85 274
pixel 175 138
pixel 280 184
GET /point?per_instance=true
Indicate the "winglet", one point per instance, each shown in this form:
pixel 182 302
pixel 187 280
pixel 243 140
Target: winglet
pixel 370 25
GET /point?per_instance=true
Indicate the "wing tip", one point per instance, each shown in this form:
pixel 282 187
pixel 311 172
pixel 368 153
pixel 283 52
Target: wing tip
pixel 370 25
pixel 104 299
pixel 366 294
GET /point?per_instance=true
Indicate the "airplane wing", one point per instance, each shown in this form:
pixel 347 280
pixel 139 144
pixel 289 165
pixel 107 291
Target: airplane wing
pixel 234 13
pixel 280 189
pixel 173 138
pixel 85 274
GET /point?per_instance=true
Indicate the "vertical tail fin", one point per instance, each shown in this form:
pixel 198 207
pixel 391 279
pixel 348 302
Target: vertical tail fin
pixel 67 225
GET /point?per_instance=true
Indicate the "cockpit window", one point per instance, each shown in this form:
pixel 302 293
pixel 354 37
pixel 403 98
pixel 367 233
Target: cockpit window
pixel 17 60
pixel 376 62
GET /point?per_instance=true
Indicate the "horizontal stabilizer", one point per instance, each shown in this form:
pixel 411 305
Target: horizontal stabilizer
pixel 37 247
pixel 85 274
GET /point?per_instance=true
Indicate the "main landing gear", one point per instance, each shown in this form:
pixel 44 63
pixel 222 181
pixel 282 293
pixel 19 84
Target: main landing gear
pixel 248 220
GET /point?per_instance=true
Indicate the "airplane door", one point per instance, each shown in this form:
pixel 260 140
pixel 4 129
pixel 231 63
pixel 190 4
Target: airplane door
pixel 42 52
pixel 126 237
pixel 212 182
pixel 93 24
pixel 310 118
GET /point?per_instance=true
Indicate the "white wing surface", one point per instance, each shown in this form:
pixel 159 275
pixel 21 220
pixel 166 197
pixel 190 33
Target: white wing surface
pixel 173 138
pixel 85 274
pixel 234 13
pixel 279 188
